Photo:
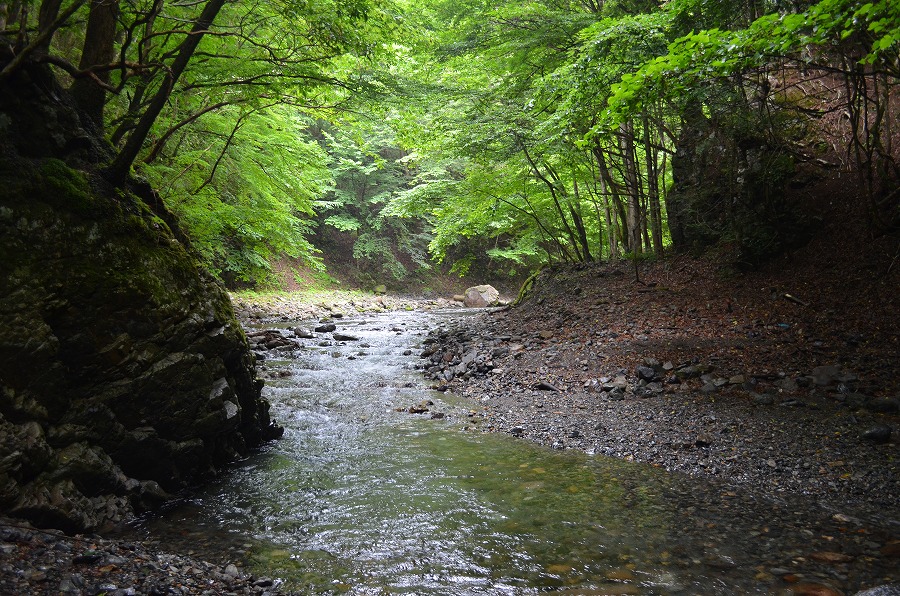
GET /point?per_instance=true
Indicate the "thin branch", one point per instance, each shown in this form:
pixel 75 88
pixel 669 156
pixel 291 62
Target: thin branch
pixel 228 141
pixel 157 146
pixel 75 73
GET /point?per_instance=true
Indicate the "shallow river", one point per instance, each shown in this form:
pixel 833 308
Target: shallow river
pixel 361 498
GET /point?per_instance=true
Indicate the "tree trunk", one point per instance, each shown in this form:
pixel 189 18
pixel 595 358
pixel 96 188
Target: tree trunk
pixel 611 194
pixel 145 47
pixel 653 189
pixel 46 16
pixel 595 201
pixel 610 228
pixel 99 49
pixel 118 171
pixel 551 186
pixel 578 220
pixel 633 213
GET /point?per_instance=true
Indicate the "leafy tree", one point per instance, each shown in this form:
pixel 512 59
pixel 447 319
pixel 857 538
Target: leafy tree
pixel 368 169
pixel 207 100
pixel 244 182
pixel 582 129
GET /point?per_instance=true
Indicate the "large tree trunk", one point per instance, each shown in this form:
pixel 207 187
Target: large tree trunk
pixel 688 167
pixel 99 50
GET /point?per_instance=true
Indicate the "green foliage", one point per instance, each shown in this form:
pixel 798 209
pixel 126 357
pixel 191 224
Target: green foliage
pixel 231 153
pixel 518 133
pixel 368 170
pixel 248 200
pixel 699 58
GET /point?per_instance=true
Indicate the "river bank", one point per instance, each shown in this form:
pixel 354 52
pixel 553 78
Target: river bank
pixel 35 562
pixel 758 394
pixel 743 386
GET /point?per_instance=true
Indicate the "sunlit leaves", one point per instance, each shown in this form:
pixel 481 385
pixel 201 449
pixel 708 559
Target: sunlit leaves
pixel 245 202
pixel 704 56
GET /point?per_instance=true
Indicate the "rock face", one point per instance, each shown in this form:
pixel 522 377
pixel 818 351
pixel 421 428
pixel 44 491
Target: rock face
pixel 481 296
pixel 124 375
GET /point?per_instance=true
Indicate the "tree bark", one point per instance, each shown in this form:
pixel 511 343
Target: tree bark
pixel 611 193
pixel 47 14
pixel 99 49
pixel 573 240
pixel 653 189
pixel 610 227
pixel 578 220
pixel 145 46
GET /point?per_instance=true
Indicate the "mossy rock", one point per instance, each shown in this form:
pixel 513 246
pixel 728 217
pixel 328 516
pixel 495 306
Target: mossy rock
pixel 111 330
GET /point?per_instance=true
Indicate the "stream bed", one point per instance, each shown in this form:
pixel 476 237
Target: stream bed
pixel 361 496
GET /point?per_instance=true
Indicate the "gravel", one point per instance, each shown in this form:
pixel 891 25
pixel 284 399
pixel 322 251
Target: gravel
pixel 35 561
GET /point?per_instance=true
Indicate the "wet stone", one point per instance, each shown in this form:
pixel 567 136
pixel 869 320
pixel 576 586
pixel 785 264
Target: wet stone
pixel 884 405
pixel 878 434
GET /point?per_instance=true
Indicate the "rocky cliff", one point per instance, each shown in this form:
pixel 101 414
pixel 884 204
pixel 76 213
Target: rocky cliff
pixel 124 375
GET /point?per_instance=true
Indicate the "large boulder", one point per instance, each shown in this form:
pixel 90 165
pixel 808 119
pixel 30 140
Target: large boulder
pixel 481 296
pixel 124 375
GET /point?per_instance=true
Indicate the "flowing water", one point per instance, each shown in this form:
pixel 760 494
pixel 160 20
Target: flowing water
pixel 360 497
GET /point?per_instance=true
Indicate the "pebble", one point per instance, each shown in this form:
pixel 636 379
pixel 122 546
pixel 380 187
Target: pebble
pixel 846 473
pixel 878 434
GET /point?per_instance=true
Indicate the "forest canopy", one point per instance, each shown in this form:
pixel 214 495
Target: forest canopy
pixel 490 134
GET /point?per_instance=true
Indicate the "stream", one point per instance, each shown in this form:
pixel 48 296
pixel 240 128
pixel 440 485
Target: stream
pixel 362 497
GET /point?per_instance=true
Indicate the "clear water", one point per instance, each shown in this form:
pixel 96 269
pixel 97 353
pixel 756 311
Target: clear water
pixel 361 498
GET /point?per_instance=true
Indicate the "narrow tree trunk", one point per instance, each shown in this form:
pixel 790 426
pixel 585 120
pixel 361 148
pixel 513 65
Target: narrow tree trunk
pixel 575 210
pixel 611 194
pixel 127 122
pixel 595 177
pixel 633 213
pixel 653 189
pixel 573 241
pixel 610 229
pixel 47 14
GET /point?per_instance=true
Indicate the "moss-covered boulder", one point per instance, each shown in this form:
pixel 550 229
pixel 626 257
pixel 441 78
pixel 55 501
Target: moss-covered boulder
pixel 124 375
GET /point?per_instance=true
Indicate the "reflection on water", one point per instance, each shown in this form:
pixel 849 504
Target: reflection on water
pixel 361 498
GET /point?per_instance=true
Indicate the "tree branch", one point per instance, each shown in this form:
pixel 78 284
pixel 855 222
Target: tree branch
pixel 157 146
pixel 118 170
pixel 42 37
